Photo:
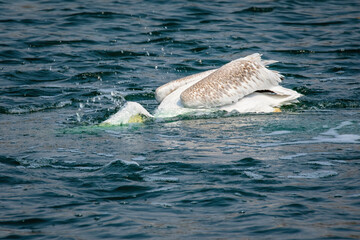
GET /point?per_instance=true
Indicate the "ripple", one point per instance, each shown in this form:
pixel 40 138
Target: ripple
pixel 161 179
pixel 314 23
pixel 281 132
pixel 330 136
pixel 256 10
pixel 124 192
pixel 248 162
pixel 289 157
pixel 9 161
pixel 120 164
pixel 253 175
pixel 122 53
pixel 321 163
pixel 49 43
pixel 316 174
pixel 162 40
pixel 24 222
pixel 215 202
pixel 306 51
pixel 322 105
pixel 34 108
pixel 100 14
pixel 12 54
pixel 33 77
pixel 66 66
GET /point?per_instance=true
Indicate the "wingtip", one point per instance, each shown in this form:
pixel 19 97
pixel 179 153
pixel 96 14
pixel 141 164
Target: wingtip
pixel 254 57
pixel 257 57
pixel 268 62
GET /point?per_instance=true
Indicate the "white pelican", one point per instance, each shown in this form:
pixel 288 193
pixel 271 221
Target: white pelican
pixel 243 85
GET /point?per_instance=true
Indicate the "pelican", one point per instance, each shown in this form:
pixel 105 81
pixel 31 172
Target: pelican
pixel 244 85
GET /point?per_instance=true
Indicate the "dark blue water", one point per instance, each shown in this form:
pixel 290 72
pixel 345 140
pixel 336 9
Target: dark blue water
pixel 65 66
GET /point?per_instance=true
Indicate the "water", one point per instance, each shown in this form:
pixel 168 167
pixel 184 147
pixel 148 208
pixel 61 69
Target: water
pixel 65 66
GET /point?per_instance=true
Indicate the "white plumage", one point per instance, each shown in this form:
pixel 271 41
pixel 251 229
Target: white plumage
pixel 243 85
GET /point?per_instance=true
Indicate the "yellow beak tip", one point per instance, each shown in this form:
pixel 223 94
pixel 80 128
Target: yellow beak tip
pixel 138 118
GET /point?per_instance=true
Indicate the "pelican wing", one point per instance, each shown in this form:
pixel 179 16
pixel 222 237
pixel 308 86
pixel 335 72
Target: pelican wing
pixel 230 83
pixel 164 90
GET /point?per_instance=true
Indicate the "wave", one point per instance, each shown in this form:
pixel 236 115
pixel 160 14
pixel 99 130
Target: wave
pixel 99 14
pixel 306 51
pixel 49 43
pixel 90 104
pixel 304 105
pixel 255 10
pixel 314 23
pixel 35 76
pixel 122 53
pixel 33 108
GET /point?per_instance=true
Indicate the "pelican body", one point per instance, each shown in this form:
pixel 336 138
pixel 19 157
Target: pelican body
pixel 243 85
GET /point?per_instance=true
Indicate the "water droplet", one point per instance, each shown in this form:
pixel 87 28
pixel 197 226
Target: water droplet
pixel 78 117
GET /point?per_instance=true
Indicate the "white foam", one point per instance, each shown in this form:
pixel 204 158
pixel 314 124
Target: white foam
pixel 161 179
pixel 278 133
pixel 130 162
pixel 125 162
pixel 316 174
pixel 88 168
pixel 253 175
pixel 289 157
pixel 321 163
pixel 161 204
pixel 161 189
pixel 69 161
pixel 105 154
pixel 139 158
pixel 339 138
pixel 330 136
pixel 340 161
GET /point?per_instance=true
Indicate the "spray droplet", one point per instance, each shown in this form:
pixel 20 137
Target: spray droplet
pixel 78 117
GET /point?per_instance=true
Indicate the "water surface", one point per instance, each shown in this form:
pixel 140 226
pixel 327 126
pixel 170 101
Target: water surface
pixel 66 66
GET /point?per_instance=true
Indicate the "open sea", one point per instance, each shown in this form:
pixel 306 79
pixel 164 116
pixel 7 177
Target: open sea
pixel 66 66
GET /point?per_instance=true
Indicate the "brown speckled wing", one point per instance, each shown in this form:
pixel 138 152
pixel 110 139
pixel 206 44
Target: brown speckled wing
pixel 164 90
pixel 230 83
